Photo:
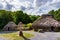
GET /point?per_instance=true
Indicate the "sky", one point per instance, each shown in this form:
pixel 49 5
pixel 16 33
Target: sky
pixel 31 7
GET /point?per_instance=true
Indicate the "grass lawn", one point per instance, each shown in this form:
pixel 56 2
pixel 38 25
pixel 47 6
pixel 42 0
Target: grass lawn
pixel 15 35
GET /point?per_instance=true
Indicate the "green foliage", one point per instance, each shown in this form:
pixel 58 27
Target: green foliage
pixel 17 16
pixel 23 17
pixel 29 25
pixel 56 14
pixel 5 17
pixel 52 12
pixel 33 17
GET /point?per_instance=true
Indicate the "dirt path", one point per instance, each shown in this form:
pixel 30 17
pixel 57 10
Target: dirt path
pixel 45 36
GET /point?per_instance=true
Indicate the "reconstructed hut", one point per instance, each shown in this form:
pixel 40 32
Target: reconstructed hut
pixel 20 26
pixel 11 26
pixel 46 22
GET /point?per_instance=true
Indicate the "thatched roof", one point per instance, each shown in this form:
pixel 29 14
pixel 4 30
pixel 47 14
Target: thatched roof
pixel 20 24
pixel 11 26
pixel 46 21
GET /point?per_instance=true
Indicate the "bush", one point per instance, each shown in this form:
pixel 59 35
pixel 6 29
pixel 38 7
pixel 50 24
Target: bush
pixel 29 25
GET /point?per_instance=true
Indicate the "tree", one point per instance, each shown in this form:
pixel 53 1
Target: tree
pixel 56 14
pixel 17 16
pixel 5 17
pixel 23 17
pixel 33 17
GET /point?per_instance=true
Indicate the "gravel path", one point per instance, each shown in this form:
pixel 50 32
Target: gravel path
pixel 45 36
pixel 1 38
pixel 42 36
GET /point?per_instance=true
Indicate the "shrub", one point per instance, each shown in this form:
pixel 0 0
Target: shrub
pixel 29 25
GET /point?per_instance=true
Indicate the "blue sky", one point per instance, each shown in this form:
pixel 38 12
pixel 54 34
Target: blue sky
pixel 33 7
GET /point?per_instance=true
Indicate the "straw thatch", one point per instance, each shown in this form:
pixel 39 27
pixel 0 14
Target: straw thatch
pixel 46 21
pixel 20 24
pixel 11 26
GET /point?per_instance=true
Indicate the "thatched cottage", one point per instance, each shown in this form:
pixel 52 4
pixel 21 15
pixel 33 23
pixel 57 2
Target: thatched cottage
pixel 11 26
pixel 46 22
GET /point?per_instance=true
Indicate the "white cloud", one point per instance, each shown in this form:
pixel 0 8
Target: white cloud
pixel 34 7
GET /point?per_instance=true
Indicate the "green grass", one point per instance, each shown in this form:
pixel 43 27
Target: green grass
pixel 15 36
